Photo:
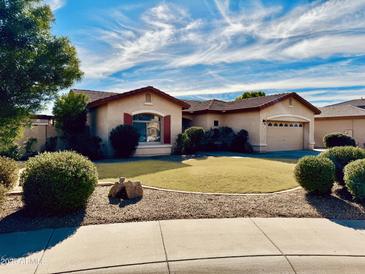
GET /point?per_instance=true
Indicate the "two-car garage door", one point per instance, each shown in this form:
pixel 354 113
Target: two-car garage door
pixel 285 136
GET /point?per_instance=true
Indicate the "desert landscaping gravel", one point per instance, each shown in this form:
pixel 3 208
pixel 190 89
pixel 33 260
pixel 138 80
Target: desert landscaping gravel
pixel 162 205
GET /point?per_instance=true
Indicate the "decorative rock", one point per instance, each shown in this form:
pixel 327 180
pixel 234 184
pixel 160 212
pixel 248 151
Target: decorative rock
pixel 117 191
pixel 133 189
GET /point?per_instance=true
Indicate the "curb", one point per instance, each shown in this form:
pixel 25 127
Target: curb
pixel 18 192
pixel 220 193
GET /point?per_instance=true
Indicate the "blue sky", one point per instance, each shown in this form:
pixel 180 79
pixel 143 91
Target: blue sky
pixel 217 49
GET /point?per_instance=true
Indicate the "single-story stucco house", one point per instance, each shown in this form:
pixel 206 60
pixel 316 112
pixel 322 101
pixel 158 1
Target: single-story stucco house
pixel 274 122
pixel 347 117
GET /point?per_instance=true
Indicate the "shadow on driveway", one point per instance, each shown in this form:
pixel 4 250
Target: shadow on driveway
pixel 26 241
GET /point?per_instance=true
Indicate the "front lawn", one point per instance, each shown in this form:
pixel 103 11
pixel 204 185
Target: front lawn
pixel 209 174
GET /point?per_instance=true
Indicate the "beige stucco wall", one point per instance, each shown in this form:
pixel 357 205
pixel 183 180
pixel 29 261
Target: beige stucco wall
pixel 253 122
pixel 40 132
pixel 206 120
pixel 283 111
pixel 352 127
pixel 249 121
pixel 106 117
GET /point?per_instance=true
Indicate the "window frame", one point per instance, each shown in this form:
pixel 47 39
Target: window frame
pixel 160 120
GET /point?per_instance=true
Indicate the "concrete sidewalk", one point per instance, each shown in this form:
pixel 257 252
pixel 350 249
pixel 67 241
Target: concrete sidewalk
pixel 242 245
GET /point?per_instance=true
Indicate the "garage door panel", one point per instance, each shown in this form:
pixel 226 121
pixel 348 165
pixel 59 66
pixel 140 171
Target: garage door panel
pixel 285 136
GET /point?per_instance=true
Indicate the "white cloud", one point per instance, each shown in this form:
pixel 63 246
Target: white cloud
pixel 167 41
pixel 56 4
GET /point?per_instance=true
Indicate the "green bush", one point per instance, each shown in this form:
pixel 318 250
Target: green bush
pixel 218 139
pixel 9 172
pixel 2 194
pixel 315 174
pixel 341 156
pixel 240 142
pixel 338 140
pixel 12 152
pixel 58 182
pixel 124 140
pixel 355 179
pixel 192 139
pixel 85 144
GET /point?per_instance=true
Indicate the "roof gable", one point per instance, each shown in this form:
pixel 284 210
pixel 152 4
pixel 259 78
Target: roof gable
pixel 250 104
pixel 98 98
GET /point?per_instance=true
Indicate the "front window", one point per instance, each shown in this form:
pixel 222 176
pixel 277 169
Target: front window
pixel 148 127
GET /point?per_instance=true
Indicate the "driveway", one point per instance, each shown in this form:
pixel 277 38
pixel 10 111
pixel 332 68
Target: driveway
pixel 241 245
pixel 295 154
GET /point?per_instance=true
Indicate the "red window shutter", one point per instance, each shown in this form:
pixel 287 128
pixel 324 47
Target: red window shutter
pixel 167 129
pixel 127 119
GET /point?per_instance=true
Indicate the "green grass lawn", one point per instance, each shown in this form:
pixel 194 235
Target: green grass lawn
pixel 211 174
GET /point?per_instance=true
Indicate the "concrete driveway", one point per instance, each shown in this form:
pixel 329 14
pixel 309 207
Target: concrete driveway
pixel 242 245
pixel 294 154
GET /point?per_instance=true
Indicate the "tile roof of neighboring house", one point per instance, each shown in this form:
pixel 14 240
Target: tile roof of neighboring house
pixel 353 108
pixel 94 95
pixel 97 98
pixel 250 104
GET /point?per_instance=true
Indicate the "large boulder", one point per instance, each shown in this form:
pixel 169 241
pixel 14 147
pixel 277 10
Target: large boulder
pixel 117 191
pixel 133 189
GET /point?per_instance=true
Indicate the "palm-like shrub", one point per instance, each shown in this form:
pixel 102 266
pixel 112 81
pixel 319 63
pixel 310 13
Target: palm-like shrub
pixel 341 156
pixel 338 140
pixel 124 140
pixel 8 172
pixel 58 182
pixel 315 174
pixel 355 179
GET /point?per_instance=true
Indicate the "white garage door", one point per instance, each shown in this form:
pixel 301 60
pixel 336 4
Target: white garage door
pixel 284 136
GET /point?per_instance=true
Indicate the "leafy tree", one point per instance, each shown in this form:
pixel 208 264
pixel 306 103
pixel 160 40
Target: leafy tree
pixel 251 94
pixel 70 113
pixel 34 65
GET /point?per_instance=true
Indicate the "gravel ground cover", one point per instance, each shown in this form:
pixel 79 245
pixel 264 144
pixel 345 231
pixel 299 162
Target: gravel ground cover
pixel 162 205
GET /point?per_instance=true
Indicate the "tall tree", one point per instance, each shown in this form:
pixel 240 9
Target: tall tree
pixel 251 94
pixel 34 65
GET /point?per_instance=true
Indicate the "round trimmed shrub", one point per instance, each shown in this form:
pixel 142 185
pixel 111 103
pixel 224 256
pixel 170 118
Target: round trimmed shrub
pixel 315 174
pixel 58 182
pixel 355 179
pixel 8 172
pixel 341 156
pixel 124 140
pixel 338 140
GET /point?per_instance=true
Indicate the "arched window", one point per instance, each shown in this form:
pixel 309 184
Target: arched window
pixel 148 126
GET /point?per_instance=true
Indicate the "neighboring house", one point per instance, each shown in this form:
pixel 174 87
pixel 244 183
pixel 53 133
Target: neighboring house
pixel 347 117
pixel 275 122
pixel 41 128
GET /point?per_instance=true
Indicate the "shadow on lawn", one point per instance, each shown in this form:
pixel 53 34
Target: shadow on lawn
pixel 34 233
pixel 134 168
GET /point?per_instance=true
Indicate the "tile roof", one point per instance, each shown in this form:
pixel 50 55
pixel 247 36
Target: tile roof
pixel 243 105
pixel 353 108
pixel 94 95
pixel 97 98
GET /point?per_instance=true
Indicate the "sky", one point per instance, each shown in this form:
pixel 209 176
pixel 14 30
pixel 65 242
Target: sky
pixel 205 49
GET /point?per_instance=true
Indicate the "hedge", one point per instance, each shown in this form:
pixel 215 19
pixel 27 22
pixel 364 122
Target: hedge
pixel 338 140
pixel 341 156
pixel 315 174
pixel 58 182
pixel 355 179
